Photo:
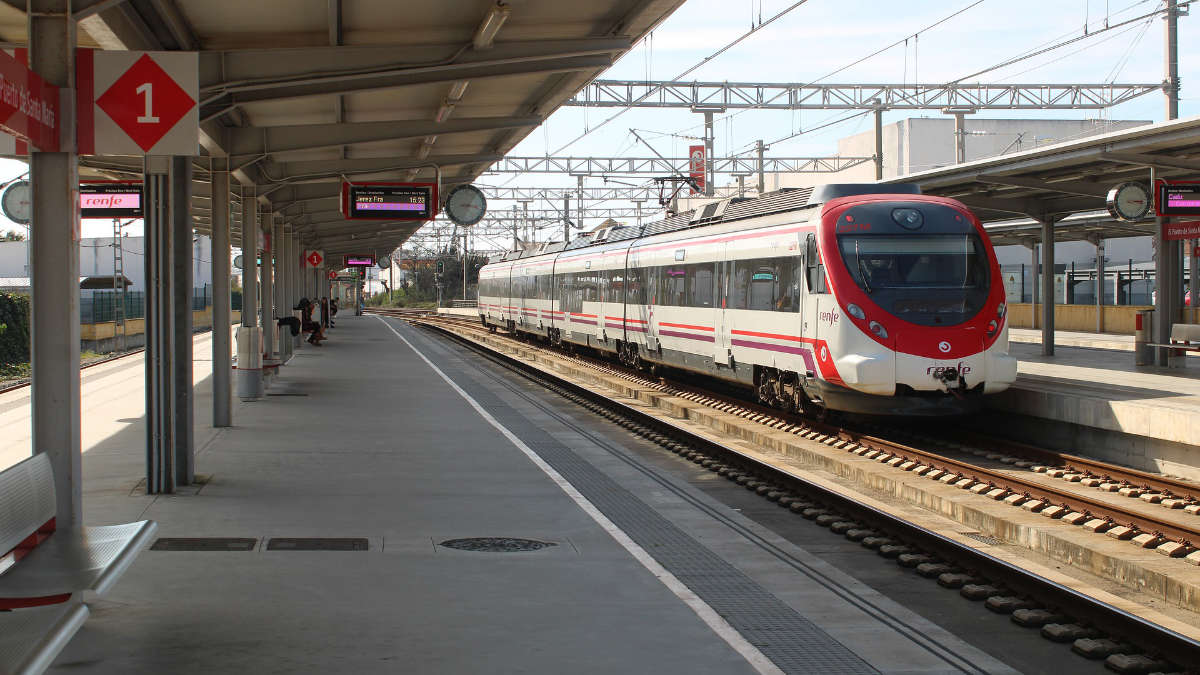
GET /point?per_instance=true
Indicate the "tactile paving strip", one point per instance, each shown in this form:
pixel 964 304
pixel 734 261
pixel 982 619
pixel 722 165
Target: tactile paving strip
pixel 789 640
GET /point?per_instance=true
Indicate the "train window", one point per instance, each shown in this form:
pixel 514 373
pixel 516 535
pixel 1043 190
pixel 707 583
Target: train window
pixel 787 285
pixel 813 267
pixel 616 286
pixel 633 287
pixel 672 286
pixel 740 288
pixel 700 285
pixel 762 288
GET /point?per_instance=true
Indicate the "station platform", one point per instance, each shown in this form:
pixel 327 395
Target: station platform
pixel 407 442
pixel 1090 398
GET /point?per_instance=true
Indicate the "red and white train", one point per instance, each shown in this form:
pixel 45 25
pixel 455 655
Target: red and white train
pixel 857 298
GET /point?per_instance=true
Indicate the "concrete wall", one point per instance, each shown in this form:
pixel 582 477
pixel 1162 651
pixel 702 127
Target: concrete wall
pixel 1081 318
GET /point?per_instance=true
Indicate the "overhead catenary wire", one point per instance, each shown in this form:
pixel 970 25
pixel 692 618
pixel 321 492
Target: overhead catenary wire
pixel 685 73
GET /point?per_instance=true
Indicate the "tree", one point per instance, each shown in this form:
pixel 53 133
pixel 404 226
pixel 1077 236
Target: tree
pixel 13 235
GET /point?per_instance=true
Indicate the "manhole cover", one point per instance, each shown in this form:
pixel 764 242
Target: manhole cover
pixel 317 544
pixel 204 544
pixel 497 544
pixel 984 538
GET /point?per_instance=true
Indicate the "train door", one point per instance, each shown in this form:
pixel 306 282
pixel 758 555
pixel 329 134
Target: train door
pixel 815 290
pixel 722 347
pixel 635 314
pixel 650 291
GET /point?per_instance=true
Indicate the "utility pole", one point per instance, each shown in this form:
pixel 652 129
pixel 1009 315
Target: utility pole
pixel 1171 82
pixel 579 201
pixel 762 183
pixel 708 146
pixel 515 238
pixel 528 225
pixel 566 218
pixel 878 107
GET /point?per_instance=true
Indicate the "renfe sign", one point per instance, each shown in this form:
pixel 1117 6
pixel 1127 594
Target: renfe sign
pixel 110 199
pixel 389 201
pixel 28 105
pixel 358 261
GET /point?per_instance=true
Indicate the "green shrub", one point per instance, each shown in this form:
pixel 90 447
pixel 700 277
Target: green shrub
pixel 14 339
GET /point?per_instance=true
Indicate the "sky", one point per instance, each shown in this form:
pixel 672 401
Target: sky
pixel 820 39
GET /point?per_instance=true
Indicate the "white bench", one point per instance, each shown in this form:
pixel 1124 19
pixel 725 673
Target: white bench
pixel 44 566
pixel 1184 337
pixel 30 639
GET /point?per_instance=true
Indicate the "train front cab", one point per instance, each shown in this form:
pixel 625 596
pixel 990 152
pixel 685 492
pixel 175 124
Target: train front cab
pixel 919 322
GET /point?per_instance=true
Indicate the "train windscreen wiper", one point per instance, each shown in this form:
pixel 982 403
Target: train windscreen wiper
pixel 863 273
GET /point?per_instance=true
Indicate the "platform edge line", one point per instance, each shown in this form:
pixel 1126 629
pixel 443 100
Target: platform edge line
pixel 706 613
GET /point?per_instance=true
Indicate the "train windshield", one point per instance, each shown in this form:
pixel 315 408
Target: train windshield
pixel 926 279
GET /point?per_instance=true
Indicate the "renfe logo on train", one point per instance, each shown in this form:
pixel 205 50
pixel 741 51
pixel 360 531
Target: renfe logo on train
pixel 937 371
pixel 830 317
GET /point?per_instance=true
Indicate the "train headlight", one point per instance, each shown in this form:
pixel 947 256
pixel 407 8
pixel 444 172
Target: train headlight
pixel 1000 310
pixel 992 327
pixel 878 329
pixel 856 312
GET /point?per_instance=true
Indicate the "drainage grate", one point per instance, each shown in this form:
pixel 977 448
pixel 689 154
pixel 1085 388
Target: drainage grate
pixel 204 544
pixel 317 544
pixel 992 541
pixel 497 544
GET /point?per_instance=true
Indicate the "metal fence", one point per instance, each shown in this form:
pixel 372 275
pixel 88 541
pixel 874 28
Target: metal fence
pixel 96 306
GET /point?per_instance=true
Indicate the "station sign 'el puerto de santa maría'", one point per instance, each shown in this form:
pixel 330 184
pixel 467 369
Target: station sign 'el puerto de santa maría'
pixel 127 103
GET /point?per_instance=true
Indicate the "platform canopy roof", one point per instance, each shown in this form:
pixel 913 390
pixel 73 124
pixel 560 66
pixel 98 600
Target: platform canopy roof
pixel 1067 182
pixel 301 94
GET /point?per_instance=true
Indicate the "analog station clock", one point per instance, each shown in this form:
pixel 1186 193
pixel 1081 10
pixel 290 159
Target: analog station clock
pixel 1129 202
pixel 17 202
pixel 466 204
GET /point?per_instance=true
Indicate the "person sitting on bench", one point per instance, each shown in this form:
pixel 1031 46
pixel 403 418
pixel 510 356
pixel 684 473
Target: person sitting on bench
pixel 313 328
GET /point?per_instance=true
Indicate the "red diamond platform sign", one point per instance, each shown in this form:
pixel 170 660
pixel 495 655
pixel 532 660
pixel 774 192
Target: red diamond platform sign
pixel 144 103
pixel 314 258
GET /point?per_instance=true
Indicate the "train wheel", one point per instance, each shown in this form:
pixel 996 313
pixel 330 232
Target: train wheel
pixel 491 328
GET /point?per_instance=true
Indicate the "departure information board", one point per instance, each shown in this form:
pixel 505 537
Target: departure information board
pixel 358 261
pixel 110 199
pixel 389 201
pixel 1177 198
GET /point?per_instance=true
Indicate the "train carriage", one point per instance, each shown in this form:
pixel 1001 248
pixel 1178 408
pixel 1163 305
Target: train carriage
pixel 840 297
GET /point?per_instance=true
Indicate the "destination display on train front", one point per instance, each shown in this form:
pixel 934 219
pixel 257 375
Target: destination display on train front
pixel 389 201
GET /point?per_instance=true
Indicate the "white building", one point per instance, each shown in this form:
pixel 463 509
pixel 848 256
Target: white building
pixel 97 255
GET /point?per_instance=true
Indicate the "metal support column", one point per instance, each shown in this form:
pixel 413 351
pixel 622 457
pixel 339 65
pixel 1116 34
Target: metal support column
pixel 762 182
pixel 249 378
pixel 1171 60
pixel 579 199
pixel 708 154
pixel 878 138
pixel 1194 282
pixel 1033 285
pixel 566 218
pixel 54 266
pixel 960 138
pixel 283 268
pixel 1048 299
pixel 267 297
pixel 1099 284
pixel 160 334
pixel 182 295
pixel 222 353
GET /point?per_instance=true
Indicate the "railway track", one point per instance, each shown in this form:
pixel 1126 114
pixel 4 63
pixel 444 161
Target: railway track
pixel 1062 613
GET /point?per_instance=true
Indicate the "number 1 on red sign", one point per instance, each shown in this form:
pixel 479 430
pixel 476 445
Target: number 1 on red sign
pixel 149 118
